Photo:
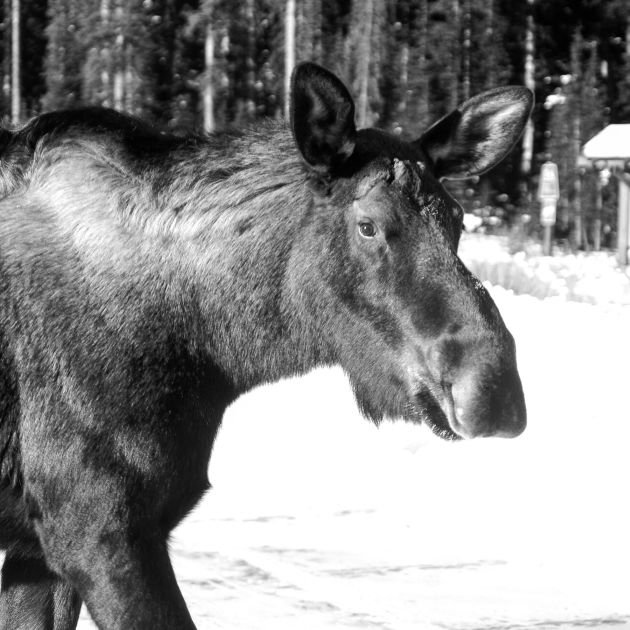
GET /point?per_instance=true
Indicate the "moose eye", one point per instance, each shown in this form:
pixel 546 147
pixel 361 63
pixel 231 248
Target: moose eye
pixel 367 229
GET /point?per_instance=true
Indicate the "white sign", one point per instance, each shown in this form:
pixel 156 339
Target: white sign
pixel 548 184
pixel 548 211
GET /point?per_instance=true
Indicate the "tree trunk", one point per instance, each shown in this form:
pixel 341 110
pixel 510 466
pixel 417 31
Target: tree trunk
pixel 15 62
pixel 105 57
pixel 224 107
pixel 130 86
pixel 364 63
pixel 466 44
pixel 576 133
pixel 289 54
pixel 452 62
pixel 250 104
pixel 530 82
pixel 105 11
pixel 490 46
pixel 119 84
pixel 209 124
pixel 6 53
pixel 423 74
pixel 404 77
pixel 119 65
pixel 309 27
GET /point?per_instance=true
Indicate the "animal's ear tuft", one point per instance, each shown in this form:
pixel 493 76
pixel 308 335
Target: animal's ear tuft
pixel 322 117
pixel 478 134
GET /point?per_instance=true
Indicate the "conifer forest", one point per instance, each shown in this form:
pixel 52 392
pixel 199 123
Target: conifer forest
pixel 212 64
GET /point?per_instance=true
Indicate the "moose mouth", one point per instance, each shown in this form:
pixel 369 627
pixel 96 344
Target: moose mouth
pixel 428 410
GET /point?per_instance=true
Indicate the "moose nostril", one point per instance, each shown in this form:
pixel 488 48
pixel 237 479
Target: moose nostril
pixel 489 402
pixel 453 329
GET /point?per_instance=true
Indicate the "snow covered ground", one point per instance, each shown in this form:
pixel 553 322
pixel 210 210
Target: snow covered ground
pixel 318 520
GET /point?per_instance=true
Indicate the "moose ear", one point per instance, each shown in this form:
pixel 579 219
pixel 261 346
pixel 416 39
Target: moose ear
pixel 322 117
pixel 478 134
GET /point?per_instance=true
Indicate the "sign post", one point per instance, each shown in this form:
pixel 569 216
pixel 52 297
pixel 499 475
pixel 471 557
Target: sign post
pixel 610 150
pixel 548 195
pixel 623 220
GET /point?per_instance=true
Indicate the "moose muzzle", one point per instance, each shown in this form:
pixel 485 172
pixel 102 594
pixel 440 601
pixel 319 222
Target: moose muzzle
pixel 477 385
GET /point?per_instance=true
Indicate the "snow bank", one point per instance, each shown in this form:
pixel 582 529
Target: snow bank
pixel 594 278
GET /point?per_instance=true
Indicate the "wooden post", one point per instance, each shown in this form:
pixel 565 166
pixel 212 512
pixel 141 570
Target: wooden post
pixel 578 215
pixel 547 240
pixel 597 223
pixel 623 222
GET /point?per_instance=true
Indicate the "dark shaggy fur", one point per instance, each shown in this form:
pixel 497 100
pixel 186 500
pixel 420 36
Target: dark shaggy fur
pixel 147 280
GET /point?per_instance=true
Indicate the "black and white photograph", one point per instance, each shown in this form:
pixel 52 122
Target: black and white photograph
pixel 314 314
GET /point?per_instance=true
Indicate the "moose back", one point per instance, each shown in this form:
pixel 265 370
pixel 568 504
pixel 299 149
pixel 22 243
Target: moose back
pixel 147 280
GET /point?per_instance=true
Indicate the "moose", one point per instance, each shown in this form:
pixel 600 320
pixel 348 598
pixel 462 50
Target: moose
pixel 148 279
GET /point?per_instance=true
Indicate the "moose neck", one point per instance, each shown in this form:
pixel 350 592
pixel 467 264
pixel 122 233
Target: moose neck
pixel 246 256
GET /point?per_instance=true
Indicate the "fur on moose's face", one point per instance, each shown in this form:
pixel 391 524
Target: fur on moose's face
pixel 397 234
pixel 417 334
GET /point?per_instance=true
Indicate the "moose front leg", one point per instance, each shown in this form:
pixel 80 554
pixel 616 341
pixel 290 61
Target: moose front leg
pixel 126 579
pixel 102 504
pixel 106 535
pixel 32 597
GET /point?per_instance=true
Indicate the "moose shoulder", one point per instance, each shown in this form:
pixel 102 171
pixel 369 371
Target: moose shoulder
pixel 147 280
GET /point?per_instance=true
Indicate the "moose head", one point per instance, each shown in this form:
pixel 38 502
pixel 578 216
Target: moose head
pixel 416 332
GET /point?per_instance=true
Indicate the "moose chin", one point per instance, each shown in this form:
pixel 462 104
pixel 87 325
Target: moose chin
pixel 147 280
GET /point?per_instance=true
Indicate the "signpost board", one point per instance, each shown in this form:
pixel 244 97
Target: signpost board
pixel 548 184
pixel 548 211
pixel 548 195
